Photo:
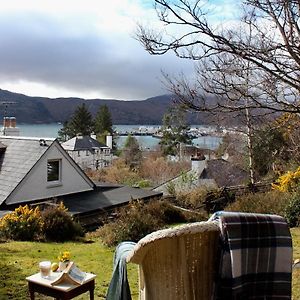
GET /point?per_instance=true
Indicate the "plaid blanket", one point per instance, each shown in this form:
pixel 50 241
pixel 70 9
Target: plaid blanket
pixel 256 258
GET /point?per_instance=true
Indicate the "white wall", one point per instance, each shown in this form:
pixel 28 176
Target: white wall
pixel 85 161
pixel 35 186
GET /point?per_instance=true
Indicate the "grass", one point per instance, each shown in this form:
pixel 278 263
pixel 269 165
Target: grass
pixel 20 259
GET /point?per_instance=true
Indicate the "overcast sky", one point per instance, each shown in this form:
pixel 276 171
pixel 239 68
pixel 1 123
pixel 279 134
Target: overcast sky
pixel 82 48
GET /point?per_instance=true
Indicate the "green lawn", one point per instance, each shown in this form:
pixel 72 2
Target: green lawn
pixel 20 259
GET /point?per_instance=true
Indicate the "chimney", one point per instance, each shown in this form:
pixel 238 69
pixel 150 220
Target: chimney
pixel 13 122
pixel 198 164
pixel 109 142
pixel 9 127
pixel 6 122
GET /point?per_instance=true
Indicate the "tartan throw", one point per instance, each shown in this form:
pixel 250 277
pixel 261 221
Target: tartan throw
pixel 256 257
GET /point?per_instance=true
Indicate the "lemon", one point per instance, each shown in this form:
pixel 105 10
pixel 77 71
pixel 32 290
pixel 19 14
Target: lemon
pixel 54 267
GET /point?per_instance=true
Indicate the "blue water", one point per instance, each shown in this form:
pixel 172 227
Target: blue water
pixel 51 130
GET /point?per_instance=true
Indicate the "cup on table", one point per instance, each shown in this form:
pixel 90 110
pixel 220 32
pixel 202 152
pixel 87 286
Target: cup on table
pixel 45 268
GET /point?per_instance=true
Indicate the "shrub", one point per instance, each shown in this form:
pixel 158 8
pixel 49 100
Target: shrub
pixel 22 224
pixel 272 202
pixel 292 210
pixel 193 199
pixel 138 220
pixel 288 182
pixel 58 224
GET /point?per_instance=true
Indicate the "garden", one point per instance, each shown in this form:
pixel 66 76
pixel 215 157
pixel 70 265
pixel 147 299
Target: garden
pixel 30 235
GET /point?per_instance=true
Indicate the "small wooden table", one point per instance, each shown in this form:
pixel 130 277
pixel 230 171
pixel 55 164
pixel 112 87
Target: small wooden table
pixel 61 291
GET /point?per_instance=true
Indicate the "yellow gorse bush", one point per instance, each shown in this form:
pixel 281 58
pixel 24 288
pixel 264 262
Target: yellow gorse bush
pixel 288 181
pixel 23 223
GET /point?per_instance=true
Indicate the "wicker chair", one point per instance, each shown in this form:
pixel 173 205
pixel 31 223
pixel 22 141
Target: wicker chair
pixel 177 263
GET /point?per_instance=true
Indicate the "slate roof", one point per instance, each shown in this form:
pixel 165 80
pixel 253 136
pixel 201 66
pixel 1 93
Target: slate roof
pixel 82 143
pixel 101 199
pixel 224 173
pixel 17 160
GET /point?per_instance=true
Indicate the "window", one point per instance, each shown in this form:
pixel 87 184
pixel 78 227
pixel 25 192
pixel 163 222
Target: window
pixel 53 170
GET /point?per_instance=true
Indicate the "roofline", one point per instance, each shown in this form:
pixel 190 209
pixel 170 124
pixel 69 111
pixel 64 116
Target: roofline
pixel 19 183
pixel 72 161
pixel 67 156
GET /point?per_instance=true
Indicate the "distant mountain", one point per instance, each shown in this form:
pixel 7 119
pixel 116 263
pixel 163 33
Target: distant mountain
pixel 36 110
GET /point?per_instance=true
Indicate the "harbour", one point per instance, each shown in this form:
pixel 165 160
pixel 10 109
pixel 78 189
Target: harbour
pixel 204 136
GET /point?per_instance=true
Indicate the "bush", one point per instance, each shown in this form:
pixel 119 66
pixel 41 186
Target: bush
pixel 23 224
pixel 138 220
pixel 288 182
pixel 193 199
pixel 59 226
pixel 292 210
pixel 272 202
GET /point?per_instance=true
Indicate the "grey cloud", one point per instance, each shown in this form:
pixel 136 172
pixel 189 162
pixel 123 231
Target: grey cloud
pixel 74 55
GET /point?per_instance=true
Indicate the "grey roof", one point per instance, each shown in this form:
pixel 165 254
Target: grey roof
pixel 19 157
pixel 224 173
pixel 101 200
pixel 82 143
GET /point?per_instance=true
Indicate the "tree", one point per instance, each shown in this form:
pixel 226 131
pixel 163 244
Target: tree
pixel 103 124
pixel 268 146
pixel 132 152
pixel 174 132
pixel 103 121
pixel 80 123
pixel 273 50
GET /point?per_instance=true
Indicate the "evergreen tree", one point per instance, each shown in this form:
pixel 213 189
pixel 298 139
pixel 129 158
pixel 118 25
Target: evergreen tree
pixel 103 121
pixel 174 132
pixel 132 152
pixel 80 123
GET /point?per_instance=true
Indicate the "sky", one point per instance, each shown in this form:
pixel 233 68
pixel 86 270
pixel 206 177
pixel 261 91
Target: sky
pixel 83 48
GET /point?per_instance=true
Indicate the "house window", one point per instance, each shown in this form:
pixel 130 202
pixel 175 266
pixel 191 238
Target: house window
pixel 53 170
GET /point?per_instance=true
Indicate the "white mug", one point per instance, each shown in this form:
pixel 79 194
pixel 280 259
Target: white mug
pixel 45 268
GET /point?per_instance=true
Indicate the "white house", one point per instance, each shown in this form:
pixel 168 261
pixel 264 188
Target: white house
pixel 88 152
pixel 34 169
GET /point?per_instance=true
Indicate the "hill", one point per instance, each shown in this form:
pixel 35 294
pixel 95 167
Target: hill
pixel 36 110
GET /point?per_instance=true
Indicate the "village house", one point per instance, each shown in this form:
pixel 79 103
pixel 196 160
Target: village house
pixel 34 171
pixel 88 152
pixel 207 173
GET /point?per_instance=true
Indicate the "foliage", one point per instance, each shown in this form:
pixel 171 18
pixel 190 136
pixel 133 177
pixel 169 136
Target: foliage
pixel 144 183
pixel 288 182
pixel 131 152
pixel 292 210
pixel 159 169
pixel 289 125
pixel 171 188
pixel 118 172
pixel 23 223
pixel 81 122
pixel 272 202
pixel 268 146
pixel 138 220
pixel 58 224
pixel 174 132
pixel 20 259
pixel 103 121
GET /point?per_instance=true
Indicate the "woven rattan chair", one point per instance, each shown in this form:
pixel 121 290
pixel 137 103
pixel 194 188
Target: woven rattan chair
pixel 177 263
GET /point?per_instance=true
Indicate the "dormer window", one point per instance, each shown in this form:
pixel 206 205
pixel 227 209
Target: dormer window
pixel 54 170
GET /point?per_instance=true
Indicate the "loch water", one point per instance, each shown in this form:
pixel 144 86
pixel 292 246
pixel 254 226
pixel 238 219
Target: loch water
pixel 146 142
